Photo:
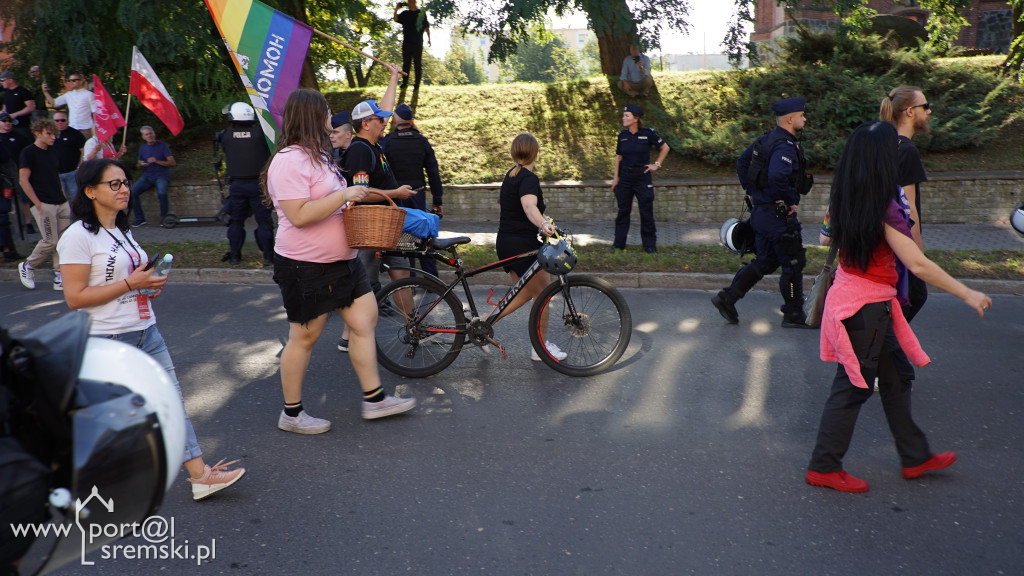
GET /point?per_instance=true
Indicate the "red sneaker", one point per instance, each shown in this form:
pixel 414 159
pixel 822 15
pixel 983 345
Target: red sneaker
pixel 936 462
pixel 836 480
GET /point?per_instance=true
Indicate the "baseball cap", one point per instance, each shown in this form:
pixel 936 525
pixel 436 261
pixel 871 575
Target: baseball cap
pixel 368 108
pixel 404 111
pixel 340 119
pixel 7 75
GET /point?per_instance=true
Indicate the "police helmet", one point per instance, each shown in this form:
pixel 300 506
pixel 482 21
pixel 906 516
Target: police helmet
pixel 557 258
pixel 738 236
pixel 121 434
pixel 1017 219
pixel 240 112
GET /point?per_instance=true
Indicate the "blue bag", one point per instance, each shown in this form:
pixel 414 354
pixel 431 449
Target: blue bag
pixel 421 224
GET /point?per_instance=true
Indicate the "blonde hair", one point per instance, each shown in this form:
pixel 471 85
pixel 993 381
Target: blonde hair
pixel 899 99
pixel 524 151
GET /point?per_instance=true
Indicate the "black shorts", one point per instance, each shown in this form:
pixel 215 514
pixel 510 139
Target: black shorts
pixel 312 289
pixel 509 245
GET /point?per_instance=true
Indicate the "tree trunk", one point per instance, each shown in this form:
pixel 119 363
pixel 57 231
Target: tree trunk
pixel 1015 58
pixel 615 28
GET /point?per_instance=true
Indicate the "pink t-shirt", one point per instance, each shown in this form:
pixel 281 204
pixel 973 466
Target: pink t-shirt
pixel 292 176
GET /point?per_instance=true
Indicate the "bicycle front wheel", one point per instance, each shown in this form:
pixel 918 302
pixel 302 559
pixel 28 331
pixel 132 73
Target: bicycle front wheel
pixel 587 318
pixel 419 332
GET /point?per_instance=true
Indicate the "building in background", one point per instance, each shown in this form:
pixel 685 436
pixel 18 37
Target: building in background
pixel 989 31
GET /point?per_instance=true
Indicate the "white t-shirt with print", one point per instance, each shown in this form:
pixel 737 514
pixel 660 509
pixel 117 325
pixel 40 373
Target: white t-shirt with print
pixel 81 104
pixel 110 262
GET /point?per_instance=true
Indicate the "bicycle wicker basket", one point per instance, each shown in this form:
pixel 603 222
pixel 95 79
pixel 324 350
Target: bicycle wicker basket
pixel 373 227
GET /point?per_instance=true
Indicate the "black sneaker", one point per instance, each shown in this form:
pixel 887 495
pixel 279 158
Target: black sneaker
pixel 726 306
pixel 343 345
pixel 12 256
pixel 798 321
pixel 651 250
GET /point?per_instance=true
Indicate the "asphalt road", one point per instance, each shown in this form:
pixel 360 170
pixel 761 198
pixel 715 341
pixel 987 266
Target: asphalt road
pixel 686 458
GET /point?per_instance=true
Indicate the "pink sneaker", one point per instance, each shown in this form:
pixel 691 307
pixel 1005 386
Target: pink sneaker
pixel 215 479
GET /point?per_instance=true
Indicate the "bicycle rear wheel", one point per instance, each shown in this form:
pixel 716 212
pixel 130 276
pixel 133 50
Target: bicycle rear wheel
pixel 588 319
pixel 419 333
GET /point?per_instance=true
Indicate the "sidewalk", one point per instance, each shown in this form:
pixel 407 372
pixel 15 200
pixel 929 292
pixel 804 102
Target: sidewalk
pixel 937 236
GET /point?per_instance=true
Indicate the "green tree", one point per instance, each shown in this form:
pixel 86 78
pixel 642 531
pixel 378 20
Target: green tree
pixel 1014 63
pixel 542 57
pixel 617 23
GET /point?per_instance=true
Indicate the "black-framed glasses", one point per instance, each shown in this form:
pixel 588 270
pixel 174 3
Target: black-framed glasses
pixel 116 184
pixel 926 106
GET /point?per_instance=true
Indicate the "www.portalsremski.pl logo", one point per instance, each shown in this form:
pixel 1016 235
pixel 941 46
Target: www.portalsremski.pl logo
pixel 157 532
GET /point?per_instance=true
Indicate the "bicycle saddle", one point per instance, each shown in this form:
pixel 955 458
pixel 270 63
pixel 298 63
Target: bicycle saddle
pixel 446 243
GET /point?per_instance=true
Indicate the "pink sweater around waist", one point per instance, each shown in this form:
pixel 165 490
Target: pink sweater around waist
pixel 848 294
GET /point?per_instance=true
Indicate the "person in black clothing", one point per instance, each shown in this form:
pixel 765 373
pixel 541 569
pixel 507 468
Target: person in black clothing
pixel 19 103
pixel 40 179
pixel 246 153
pixel 68 146
pixel 414 23
pixel 521 220
pixel 908 110
pixel 11 145
pixel 632 177
pixel 411 154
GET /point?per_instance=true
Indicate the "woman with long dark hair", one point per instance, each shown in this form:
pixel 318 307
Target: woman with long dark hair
pixel 104 268
pixel 863 327
pixel 314 266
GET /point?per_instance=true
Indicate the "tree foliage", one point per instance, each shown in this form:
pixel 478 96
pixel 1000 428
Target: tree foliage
pixel 542 57
pixel 617 23
pixel 1014 64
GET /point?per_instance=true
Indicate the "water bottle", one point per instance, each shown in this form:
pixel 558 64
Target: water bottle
pixel 162 268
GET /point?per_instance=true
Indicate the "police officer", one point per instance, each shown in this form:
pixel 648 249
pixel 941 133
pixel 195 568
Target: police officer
pixel 773 172
pixel 411 155
pixel 633 177
pixel 246 152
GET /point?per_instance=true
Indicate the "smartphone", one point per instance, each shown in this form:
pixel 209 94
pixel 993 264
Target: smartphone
pixel 152 262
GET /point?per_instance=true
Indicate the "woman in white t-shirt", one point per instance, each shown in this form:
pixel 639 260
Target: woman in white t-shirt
pixel 314 266
pixel 104 268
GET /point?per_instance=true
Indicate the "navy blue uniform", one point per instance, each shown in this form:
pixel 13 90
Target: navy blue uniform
pixel 777 237
pixel 412 154
pixel 635 150
pixel 246 152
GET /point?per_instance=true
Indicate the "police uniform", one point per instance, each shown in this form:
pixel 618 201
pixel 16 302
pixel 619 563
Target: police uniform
pixel 635 150
pixel 246 152
pixel 412 154
pixel 777 234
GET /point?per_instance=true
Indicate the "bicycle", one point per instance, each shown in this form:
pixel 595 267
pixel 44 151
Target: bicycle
pixel 423 327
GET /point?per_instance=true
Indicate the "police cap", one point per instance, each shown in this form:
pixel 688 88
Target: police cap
pixel 634 110
pixel 788 106
pixel 404 111
pixel 340 119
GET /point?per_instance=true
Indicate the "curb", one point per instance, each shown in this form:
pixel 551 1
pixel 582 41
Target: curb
pixel 674 280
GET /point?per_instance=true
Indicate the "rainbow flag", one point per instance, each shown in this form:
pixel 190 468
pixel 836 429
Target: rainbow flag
pixel 268 49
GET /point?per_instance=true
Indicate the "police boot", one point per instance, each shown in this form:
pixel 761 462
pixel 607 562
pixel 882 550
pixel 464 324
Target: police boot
pixel 791 286
pixel 726 305
pixel 726 299
pixel 234 258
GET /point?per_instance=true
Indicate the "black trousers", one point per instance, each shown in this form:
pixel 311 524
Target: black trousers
pixel 412 53
pixel 875 343
pixel 640 186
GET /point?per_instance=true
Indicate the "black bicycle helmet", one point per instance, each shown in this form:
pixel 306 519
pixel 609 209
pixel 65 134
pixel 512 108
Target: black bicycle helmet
pixel 558 258
pixel 738 236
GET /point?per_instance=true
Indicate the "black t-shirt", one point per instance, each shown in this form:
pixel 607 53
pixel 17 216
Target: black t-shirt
pixel 68 146
pixel 911 171
pixel 44 176
pixel 412 28
pixel 11 145
pixel 365 164
pixel 513 218
pixel 14 101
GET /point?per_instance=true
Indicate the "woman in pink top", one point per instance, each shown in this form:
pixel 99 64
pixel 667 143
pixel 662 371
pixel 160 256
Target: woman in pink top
pixel 314 266
pixel 862 326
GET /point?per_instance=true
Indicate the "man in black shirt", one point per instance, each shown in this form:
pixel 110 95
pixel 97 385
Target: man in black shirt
pixel 68 146
pixel 40 179
pixel 414 23
pixel 11 145
pixel 18 103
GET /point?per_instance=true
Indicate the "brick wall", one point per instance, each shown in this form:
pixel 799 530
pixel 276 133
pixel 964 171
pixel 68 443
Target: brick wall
pixel 952 198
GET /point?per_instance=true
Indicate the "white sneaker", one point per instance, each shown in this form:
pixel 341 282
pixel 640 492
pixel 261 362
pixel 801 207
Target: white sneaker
pixel 389 406
pixel 555 352
pixel 58 282
pixel 27 275
pixel 303 423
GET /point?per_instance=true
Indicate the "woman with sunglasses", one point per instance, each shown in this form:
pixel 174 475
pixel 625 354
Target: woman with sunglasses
pixel 104 268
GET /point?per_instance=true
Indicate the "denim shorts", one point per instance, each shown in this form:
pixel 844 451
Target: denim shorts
pixel 312 289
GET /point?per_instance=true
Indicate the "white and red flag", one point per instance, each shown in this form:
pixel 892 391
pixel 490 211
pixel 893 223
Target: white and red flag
pixel 106 116
pixel 147 87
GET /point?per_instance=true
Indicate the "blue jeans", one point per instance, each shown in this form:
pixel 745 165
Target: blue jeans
pixel 145 183
pixel 151 342
pixel 70 185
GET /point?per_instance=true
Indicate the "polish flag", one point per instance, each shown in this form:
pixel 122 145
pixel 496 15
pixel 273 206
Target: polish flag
pixel 148 88
pixel 107 117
